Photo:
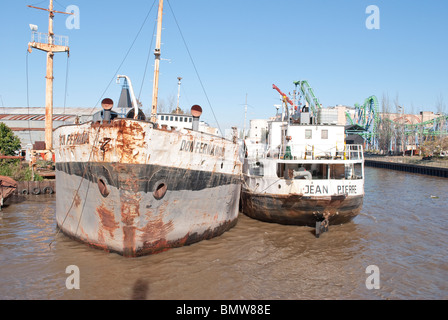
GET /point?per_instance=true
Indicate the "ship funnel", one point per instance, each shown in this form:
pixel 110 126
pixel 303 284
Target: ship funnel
pixel 107 105
pixel 196 112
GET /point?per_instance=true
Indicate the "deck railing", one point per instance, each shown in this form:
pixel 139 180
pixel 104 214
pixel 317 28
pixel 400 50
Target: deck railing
pixel 306 152
pixel 41 37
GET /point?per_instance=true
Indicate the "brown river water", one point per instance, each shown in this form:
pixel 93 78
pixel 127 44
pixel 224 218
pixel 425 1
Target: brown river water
pixel 402 231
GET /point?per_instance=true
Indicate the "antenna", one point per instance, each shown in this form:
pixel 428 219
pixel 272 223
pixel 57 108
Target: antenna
pixel 178 95
pixel 245 116
pixel 49 44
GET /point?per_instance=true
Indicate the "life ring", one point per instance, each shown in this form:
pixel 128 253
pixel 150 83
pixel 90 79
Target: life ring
pixel 25 191
pixel 48 190
pixel 36 191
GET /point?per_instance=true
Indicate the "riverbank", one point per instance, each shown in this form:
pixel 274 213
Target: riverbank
pixel 36 187
pixel 414 164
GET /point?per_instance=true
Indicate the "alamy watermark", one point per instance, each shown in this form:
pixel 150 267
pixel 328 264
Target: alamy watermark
pixel 373 280
pixel 373 20
pixel 73 280
pixel 73 21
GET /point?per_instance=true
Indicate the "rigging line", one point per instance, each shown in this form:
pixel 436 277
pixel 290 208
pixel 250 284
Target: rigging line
pixel 3 106
pixel 147 60
pixel 125 57
pixel 194 66
pixel 60 4
pixel 39 3
pixel 77 190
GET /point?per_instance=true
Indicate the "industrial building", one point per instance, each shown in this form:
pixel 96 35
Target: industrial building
pixel 29 123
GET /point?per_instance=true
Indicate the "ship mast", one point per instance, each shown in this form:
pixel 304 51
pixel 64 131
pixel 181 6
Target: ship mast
pixel 157 63
pixel 50 47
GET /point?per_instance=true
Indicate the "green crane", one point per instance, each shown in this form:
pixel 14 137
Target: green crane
pixel 307 93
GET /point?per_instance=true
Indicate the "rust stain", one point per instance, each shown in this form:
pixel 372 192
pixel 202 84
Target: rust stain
pixel 107 220
pixel 129 248
pixel 162 245
pixel 130 139
pixel 130 209
pixel 76 200
pixel 155 229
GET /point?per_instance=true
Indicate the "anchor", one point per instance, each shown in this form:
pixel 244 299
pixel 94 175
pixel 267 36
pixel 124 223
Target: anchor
pixel 322 225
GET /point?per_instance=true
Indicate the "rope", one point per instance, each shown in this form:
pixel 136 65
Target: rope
pixel 147 60
pixel 77 191
pixel 248 188
pixel 98 130
pixel 125 57
pixel 194 66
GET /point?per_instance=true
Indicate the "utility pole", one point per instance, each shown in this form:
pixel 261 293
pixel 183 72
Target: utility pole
pixel 157 63
pixel 47 44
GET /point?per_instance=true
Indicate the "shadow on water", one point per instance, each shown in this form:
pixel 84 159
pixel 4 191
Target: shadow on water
pixel 140 290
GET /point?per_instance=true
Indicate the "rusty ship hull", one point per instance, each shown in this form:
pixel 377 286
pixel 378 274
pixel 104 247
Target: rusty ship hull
pixel 296 209
pixel 130 188
pixel 275 195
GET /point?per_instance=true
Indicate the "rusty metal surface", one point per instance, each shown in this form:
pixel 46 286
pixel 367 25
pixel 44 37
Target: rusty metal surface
pixel 7 188
pixel 129 188
pixel 297 209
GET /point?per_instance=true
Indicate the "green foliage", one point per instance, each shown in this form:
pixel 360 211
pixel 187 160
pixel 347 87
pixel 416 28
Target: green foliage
pixel 18 171
pixel 9 143
pixel 433 146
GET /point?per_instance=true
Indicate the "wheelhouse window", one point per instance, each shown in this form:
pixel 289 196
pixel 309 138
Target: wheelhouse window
pixel 324 134
pixel 302 171
pixel 308 134
pixel 319 171
pixel 257 169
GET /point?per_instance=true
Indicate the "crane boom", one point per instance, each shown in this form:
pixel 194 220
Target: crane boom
pixel 282 94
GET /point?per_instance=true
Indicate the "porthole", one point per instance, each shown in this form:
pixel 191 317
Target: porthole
pixel 279 186
pixel 160 190
pixel 102 186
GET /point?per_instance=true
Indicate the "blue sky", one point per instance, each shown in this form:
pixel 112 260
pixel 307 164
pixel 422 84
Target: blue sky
pixel 239 47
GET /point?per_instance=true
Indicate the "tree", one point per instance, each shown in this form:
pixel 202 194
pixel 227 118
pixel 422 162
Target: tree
pixel 385 127
pixel 9 142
